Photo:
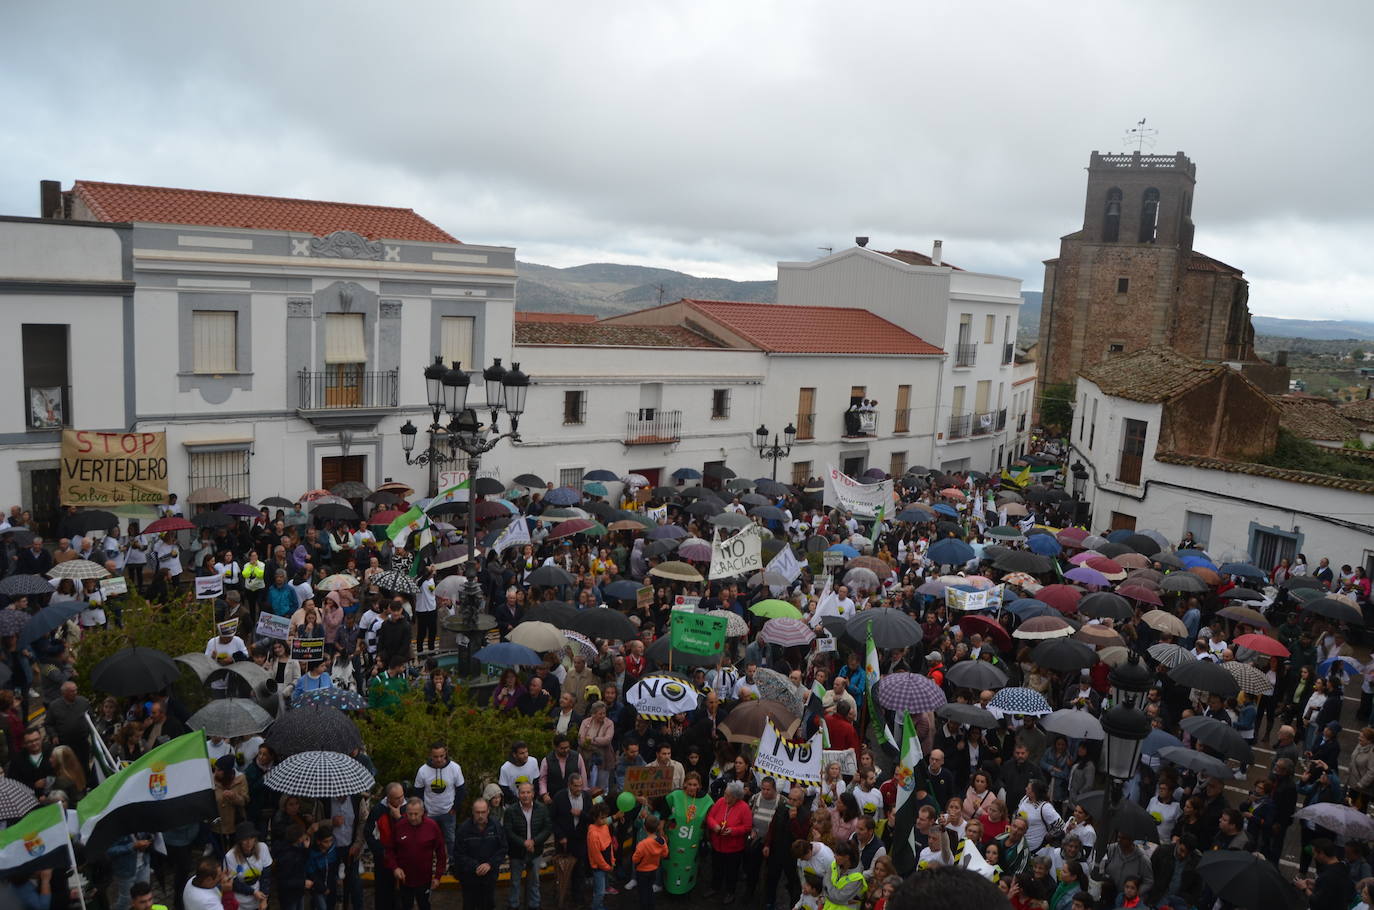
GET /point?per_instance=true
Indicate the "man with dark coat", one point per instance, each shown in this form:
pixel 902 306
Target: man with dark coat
pixel 790 823
pixel 572 813
pixel 479 846
pixel 528 827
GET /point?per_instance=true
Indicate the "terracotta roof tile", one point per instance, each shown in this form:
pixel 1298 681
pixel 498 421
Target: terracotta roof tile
pixel 1360 412
pixel 1151 374
pixel 1311 419
pixel 166 205
pixel 782 328
pixel 603 334
pixel 1264 470
pixel 911 257
pixel 560 318
pixel 1198 262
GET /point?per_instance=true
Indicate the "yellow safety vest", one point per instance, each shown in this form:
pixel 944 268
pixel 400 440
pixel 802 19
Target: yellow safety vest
pixel 844 881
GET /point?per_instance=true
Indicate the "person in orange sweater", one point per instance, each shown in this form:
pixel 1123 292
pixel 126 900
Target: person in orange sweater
pixel 601 855
pixel 649 854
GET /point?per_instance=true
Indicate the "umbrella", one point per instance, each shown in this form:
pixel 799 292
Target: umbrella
pixel 1303 595
pixel 1250 679
pixel 397 487
pixel 277 502
pixel 969 715
pixel 230 717
pixel 1140 594
pixel 1114 656
pixel 635 480
pixel 773 686
pixel 83 523
pixel 1262 644
pixel 395 582
pixel 773 608
pixel 508 654
pixel 1334 609
pixel 25 586
pixel 548 577
pixel 735 626
pixel 1183 583
pixel 861 579
pixel 695 550
pixel 768 513
pixel 1084 575
pixel 562 496
pixel 582 646
pixel 1348 664
pixel 78 569
pixel 844 550
pixel 1204 675
pixel 385 516
pixel 989 628
pixel 212 520
pixel 1194 760
pixel 594 489
pixel 1247 880
pixel 532 481
pixel 134 671
pixel 873 563
pixel 747 721
pixel 1107 566
pixel 909 692
pixel 453 587
pixel 950 552
pixel 1024 608
pixel 1158 739
pixel 694 493
pixel 1347 821
pixel 1241 594
pixel 1043 544
pixel 332 512
pixel 1171 655
pixel 554 612
pixel 570 527
pixel 1021 580
pixel 604 623
pixel 915 514
pixel 1110 549
pixel 332 697
pixel 383 498
pixel 1242 570
pixel 1132 561
pixel 16 799
pixel 319 775
pixel 733 520
pixel 667 532
pixel 239 510
pixel 941 508
pixel 770 487
pixel 1099 636
pixel 337 582
pixel 1104 604
pixel 686 474
pixel 1167 623
pixel 1064 654
pixel 538 636
pixel 1218 735
pixel 1020 700
pixel 1126 817
pixel 309 729
pixel 40 624
pixel 622 590
pixel 676 571
pixel 1062 597
pixel 1247 615
pixel 1206 574
pixel 1169 561
pixel 1004 532
pixel 1046 626
pixel 206 495
pixel 1074 724
pixel 891 628
pixel 786 632
pixel 351 489
pixel 1022 561
pixel 171 523
pixel 976 674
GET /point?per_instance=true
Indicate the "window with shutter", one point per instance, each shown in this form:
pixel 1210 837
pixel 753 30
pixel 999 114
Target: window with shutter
pixel 215 341
pixel 455 341
pixel 345 358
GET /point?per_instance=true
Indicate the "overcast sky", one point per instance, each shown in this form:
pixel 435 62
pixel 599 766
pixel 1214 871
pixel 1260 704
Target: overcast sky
pixel 721 137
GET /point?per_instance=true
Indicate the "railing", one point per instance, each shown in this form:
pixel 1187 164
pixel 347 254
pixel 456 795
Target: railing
pixel 1008 353
pixel 651 426
pixel 983 422
pixel 901 420
pixel 346 388
pixel 959 425
pixel 48 407
pixel 1021 424
pixel 965 355
pixel 860 423
pixel 806 426
pixel 1001 420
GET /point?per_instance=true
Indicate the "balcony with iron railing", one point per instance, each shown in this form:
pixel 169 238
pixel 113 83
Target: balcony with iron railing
pixel 959 425
pixel 983 422
pixel 965 355
pixel 1001 420
pixel 1008 353
pixel 652 426
pixel 347 388
pixel 859 424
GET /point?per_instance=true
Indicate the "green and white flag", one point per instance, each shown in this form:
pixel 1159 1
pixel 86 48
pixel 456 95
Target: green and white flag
pixel 166 788
pixel 39 840
pixel 904 852
pixel 872 676
pixel 399 531
pixel 459 492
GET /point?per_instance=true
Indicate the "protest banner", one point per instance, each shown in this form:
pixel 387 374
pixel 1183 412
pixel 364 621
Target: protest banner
pixel 969 601
pixel 849 764
pixel 271 625
pixel 860 499
pixel 660 697
pixel 229 627
pixel 644 597
pixel 832 559
pixel 825 644
pixel 685 602
pixel 786 564
pixel 112 469
pixel 308 649
pixel 649 781
pixel 793 762
pixel 209 587
pixel 740 555
pixel 698 633
pixel 112 586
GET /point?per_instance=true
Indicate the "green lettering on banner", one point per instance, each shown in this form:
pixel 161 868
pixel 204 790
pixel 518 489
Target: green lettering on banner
pixel 697 633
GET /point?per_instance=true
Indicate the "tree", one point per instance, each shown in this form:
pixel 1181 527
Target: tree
pixel 1056 407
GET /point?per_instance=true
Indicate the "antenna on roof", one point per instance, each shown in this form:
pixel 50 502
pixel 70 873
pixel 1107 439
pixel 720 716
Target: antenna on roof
pixel 661 290
pixel 1140 137
pixel 827 250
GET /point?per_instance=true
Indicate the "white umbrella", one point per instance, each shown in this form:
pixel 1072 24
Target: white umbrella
pixel 1074 724
pixel 538 636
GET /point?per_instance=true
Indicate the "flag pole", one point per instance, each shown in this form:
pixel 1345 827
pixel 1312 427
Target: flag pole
pixel 71 853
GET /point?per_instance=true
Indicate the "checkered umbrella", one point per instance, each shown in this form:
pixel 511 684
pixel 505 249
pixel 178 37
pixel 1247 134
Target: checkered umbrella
pixel 78 569
pixel 396 583
pixel 16 799
pixel 910 692
pixel 1170 655
pixel 1249 678
pixel 230 717
pixel 24 585
pixel 1020 700
pixel 581 645
pixel 310 729
pixel 332 697
pixel 319 775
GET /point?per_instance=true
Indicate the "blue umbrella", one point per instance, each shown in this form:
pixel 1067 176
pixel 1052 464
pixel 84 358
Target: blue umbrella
pixel 48 619
pixel 508 654
pixel 601 474
pixel 332 697
pixel 1044 545
pixel 844 548
pixel 945 509
pixel 1119 535
pixel 667 532
pixel 622 590
pixel 915 514
pixel 1349 664
pixel 1029 608
pixel 1195 559
pixel 686 474
pixel 950 552
pixel 594 489
pixel 1158 739
pixel 563 496
pixel 1242 570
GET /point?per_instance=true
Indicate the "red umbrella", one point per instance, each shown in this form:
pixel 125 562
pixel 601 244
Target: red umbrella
pixel 951 493
pixel 1071 537
pixel 312 495
pixel 384 517
pixel 565 528
pixel 1063 598
pixel 988 627
pixel 1263 644
pixel 1141 594
pixel 1106 565
pixel 163 525
pixel 1206 574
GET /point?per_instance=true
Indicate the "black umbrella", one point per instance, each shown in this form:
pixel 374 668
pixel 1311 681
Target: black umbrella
pixel 976 674
pixel 694 492
pixel 604 622
pixel 755 499
pixel 1205 675
pixel 1183 582
pixel 1331 608
pixel 94 520
pixel 948 529
pixel 1247 880
pixel 1105 604
pixel 134 671
pixel 705 508
pixel 970 715
pixel 1303 581
pixel 488 486
pixel 834 626
pixel 1023 561
pixel 384 497
pixel 603 510
pixel 24 585
pixel 1112 548
pixel 277 502
pixel 20 537
pixel 532 481
pixel 1241 594
pixel 771 488
pixel 1220 736
pixel 548 576
pixel 994 552
pixel 313 729
pixel 768 513
pixel 332 511
pixel 1126 818
pixel 1064 654
pixel 891 628
pixel 351 489
pixel 553 612
pixel 658 653
pixel 664 492
pixel 720 471
pixel 214 519
pixel 1145 546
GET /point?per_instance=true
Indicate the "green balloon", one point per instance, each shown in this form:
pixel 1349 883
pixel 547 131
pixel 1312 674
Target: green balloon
pixel 626 801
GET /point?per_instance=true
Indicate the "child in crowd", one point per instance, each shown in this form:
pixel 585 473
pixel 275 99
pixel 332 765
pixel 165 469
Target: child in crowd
pixel 811 893
pixel 649 853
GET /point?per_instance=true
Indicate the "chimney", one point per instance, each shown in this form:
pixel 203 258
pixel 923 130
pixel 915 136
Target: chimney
pixel 861 241
pixel 1280 358
pixel 937 252
pixel 49 199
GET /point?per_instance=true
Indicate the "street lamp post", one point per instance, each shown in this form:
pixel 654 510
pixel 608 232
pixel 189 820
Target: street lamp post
pixel 776 450
pixel 1125 728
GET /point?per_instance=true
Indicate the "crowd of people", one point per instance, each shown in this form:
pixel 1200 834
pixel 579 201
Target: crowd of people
pixel 996 793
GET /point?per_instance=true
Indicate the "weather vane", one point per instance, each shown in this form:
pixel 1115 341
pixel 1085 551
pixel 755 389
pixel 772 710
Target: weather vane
pixel 1140 137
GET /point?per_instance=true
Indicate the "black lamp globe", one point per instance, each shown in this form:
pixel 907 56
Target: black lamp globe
pixel 1129 682
pixel 514 386
pixel 434 382
pixel 456 383
pixel 408 434
pixel 1126 729
pixel 789 434
pixel 492 376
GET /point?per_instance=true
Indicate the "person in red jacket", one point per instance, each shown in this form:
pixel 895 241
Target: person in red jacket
pixel 729 823
pixel 417 858
pixel 842 733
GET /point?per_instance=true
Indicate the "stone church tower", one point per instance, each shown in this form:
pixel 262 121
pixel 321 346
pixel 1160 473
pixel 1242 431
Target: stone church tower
pixel 1131 278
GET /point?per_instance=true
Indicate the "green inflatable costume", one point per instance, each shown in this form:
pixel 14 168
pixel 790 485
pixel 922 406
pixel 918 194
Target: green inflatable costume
pixel 686 821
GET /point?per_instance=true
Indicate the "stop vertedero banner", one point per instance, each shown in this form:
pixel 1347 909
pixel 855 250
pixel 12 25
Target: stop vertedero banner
pixel 861 499
pixel 794 762
pixel 112 469
pixel 739 555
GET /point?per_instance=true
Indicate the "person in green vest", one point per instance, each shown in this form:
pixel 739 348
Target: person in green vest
pixel 687 810
pixel 845 886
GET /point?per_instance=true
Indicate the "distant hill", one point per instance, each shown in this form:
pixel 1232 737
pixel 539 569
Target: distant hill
pixel 607 288
pixel 1028 322
pixel 1317 329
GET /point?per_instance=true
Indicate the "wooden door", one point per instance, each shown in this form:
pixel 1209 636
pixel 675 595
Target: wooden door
pixel 335 469
pixel 43 494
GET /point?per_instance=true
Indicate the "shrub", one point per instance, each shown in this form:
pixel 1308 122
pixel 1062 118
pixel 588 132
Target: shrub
pixel 174 628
